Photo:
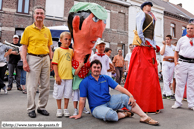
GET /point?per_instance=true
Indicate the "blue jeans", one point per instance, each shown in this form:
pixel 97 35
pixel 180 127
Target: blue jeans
pixel 107 111
pixel 22 77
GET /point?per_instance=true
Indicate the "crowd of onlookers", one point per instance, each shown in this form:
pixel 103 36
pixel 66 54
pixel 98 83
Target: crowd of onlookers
pixel 11 59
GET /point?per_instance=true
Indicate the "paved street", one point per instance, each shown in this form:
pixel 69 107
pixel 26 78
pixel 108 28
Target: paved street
pixel 13 108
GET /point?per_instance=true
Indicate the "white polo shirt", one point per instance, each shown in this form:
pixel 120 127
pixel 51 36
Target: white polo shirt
pixel 128 57
pixel 184 47
pixel 105 63
pixel 169 50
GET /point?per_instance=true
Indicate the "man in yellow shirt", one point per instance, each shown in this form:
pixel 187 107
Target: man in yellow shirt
pixel 36 55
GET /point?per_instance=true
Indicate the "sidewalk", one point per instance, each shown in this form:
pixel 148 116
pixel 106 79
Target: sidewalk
pixel 13 108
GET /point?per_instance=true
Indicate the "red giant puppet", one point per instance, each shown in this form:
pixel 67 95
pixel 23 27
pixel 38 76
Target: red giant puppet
pixel 86 22
pixel 142 79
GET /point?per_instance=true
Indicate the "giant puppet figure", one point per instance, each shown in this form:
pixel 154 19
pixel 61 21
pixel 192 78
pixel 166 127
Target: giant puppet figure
pixel 86 22
pixel 142 79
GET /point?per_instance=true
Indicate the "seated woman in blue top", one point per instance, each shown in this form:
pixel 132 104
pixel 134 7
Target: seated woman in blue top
pixel 95 87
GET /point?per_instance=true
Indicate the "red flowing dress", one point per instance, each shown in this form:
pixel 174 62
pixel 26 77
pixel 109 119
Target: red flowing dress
pixel 142 79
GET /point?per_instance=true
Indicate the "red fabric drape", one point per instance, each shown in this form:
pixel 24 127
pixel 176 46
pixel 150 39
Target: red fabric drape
pixel 142 79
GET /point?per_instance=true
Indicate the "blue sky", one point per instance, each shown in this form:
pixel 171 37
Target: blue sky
pixel 187 4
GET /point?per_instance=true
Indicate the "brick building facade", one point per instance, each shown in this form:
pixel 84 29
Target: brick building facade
pixel 116 35
pixel 15 15
pixel 179 24
pixel 175 18
pixel 12 21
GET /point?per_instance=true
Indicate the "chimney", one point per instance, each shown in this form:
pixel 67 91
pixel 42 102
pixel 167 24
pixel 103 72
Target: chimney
pixel 180 4
pixel 166 0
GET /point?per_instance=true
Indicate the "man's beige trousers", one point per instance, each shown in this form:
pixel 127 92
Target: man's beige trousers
pixel 39 70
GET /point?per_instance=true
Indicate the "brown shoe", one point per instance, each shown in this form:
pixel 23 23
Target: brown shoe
pixel 9 88
pixel 19 88
pixel 150 121
pixel 127 114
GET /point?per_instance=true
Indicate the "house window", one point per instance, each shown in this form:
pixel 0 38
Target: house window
pixel 23 6
pixel 108 20
pixel 0 33
pixel 19 32
pixel 1 4
pixel 121 21
pixel 159 27
pixel 172 30
pixel 75 2
pixel 55 8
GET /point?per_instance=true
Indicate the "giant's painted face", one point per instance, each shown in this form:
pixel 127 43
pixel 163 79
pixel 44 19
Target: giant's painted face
pixel 84 39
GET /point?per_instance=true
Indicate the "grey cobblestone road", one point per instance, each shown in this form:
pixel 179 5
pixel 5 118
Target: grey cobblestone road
pixel 13 108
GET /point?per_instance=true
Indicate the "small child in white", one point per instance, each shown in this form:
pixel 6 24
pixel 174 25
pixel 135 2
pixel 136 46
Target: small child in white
pixel 102 57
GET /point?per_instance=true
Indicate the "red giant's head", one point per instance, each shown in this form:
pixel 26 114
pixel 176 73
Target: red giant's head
pixel 86 22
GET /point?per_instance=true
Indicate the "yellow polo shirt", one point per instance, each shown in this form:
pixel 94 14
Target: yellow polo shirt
pixel 37 40
pixel 63 57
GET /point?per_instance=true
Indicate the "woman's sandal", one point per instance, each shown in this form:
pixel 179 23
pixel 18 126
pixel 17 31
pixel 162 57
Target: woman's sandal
pixel 150 121
pixel 24 91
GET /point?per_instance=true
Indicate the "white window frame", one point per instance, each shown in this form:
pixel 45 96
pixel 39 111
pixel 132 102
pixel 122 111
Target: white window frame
pixel 1 3
pixel 23 6
pixel 159 27
pixel 108 20
pixel 75 2
pixel 173 30
pixel 55 9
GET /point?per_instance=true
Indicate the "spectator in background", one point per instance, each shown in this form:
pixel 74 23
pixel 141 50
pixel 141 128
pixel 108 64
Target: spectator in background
pixel 23 76
pixel 118 62
pixel 167 67
pixel 102 57
pixel 128 57
pixel 14 57
pixel 185 30
pixel 108 51
pixel 4 51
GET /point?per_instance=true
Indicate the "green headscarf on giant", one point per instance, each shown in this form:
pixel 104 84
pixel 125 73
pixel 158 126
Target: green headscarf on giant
pixel 96 9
